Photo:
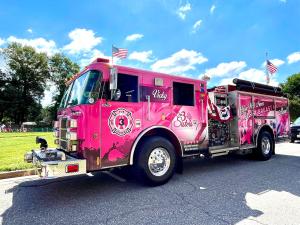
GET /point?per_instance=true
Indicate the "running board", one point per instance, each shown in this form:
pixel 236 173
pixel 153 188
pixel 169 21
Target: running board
pixel 219 150
pixel 219 154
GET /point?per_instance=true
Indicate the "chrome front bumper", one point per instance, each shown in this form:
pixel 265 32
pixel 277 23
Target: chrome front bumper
pixel 52 163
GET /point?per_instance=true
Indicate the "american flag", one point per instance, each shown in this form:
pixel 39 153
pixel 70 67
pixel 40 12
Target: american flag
pixel 119 52
pixel 271 67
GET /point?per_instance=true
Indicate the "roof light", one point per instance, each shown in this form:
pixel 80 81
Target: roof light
pixel 101 60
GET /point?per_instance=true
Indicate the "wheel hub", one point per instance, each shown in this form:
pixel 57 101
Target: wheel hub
pixel 265 145
pixel 159 161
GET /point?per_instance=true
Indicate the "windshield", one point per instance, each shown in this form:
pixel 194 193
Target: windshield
pixel 84 90
pixel 297 121
pixel 64 98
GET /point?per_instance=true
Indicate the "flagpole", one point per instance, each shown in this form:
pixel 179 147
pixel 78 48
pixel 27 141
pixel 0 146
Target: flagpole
pixel 266 67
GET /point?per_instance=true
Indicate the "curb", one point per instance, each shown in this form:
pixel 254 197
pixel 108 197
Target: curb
pixel 17 173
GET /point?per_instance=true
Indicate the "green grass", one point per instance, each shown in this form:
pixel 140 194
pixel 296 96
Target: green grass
pixel 14 145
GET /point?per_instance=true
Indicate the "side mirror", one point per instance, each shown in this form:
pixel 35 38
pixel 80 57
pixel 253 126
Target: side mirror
pixel 113 80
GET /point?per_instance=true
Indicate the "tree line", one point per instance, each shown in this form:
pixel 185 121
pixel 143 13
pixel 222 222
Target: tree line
pixel 29 73
pixel 292 88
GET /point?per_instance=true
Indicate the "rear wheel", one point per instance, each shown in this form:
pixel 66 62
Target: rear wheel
pixel 155 161
pixel 265 146
pixel 292 140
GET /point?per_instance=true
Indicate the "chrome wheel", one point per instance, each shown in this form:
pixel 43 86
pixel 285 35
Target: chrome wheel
pixel 265 145
pixel 159 161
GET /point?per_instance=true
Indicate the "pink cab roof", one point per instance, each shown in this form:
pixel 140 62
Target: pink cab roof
pixel 100 64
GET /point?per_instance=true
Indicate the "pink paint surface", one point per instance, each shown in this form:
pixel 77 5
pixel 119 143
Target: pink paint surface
pixel 245 122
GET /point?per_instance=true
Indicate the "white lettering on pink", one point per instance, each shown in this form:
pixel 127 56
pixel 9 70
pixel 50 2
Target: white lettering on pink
pixel 159 95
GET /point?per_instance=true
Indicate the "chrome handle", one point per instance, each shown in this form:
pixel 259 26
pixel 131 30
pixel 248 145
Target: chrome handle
pixel 148 113
pixel 202 109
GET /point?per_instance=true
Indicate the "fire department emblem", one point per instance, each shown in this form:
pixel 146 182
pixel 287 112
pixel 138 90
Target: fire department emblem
pixel 120 122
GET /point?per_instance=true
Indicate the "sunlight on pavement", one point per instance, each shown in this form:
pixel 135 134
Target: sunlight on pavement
pixel 276 207
pixel 6 202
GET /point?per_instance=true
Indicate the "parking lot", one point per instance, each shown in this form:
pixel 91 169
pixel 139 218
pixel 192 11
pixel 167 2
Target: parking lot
pixel 226 190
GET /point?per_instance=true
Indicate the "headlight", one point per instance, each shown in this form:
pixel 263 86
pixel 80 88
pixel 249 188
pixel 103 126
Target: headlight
pixel 56 134
pixel 74 148
pixel 72 136
pixel 73 123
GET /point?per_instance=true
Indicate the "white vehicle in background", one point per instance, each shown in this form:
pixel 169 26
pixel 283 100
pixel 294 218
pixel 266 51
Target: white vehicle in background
pixel 27 126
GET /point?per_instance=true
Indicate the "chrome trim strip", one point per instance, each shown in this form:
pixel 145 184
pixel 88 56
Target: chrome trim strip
pixel 213 151
pixel 109 167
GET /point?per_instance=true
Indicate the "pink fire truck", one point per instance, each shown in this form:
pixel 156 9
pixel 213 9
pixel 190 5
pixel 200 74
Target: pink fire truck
pixel 115 116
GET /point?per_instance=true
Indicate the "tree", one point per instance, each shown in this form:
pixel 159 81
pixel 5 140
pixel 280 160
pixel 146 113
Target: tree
pixel 28 73
pixel 61 68
pixel 4 95
pixel 292 88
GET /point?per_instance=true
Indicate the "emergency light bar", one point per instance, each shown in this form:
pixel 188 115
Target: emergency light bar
pixel 101 60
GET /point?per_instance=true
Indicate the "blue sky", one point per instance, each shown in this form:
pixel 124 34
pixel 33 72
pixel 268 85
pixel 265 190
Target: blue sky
pixel 223 39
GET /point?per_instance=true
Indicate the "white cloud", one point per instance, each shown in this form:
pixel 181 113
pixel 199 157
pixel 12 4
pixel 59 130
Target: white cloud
pixel 196 26
pixel 48 94
pixel 225 69
pixel 134 37
pixel 183 10
pixel 87 58
pixel 144 56
pixel 2 41
pixel 257 75
pixel 294 57
pixel 180 62
pixel 254 75
pixel 29 30
pixel 40 44
pixel 226 81
pixel 284 1
pixel 212 9
pixel 82 40
pixel 276 62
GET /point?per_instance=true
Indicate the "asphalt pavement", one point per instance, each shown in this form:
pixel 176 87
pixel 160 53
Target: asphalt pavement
pixel 224 190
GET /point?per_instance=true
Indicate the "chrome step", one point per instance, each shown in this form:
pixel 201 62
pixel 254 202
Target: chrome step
pixel 217 150
pixel 219 154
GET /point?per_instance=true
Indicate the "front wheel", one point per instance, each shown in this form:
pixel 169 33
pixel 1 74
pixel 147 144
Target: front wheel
pixel 155 161
pixel 265 146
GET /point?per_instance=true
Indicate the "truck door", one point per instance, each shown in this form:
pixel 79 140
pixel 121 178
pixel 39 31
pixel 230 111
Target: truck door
pixel 121 121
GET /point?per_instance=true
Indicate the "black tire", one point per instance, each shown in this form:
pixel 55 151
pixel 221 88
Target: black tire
pixel 146 149
pixel 262 152
pixel 292 140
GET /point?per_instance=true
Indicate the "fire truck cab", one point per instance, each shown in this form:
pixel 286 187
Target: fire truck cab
pixel 114 116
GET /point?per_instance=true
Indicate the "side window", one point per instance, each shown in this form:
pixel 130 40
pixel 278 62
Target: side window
pixel 183 94
pixel 128 85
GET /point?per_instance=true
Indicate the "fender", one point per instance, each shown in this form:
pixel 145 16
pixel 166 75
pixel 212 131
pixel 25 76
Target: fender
pixel 259 129
pixel 133 148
